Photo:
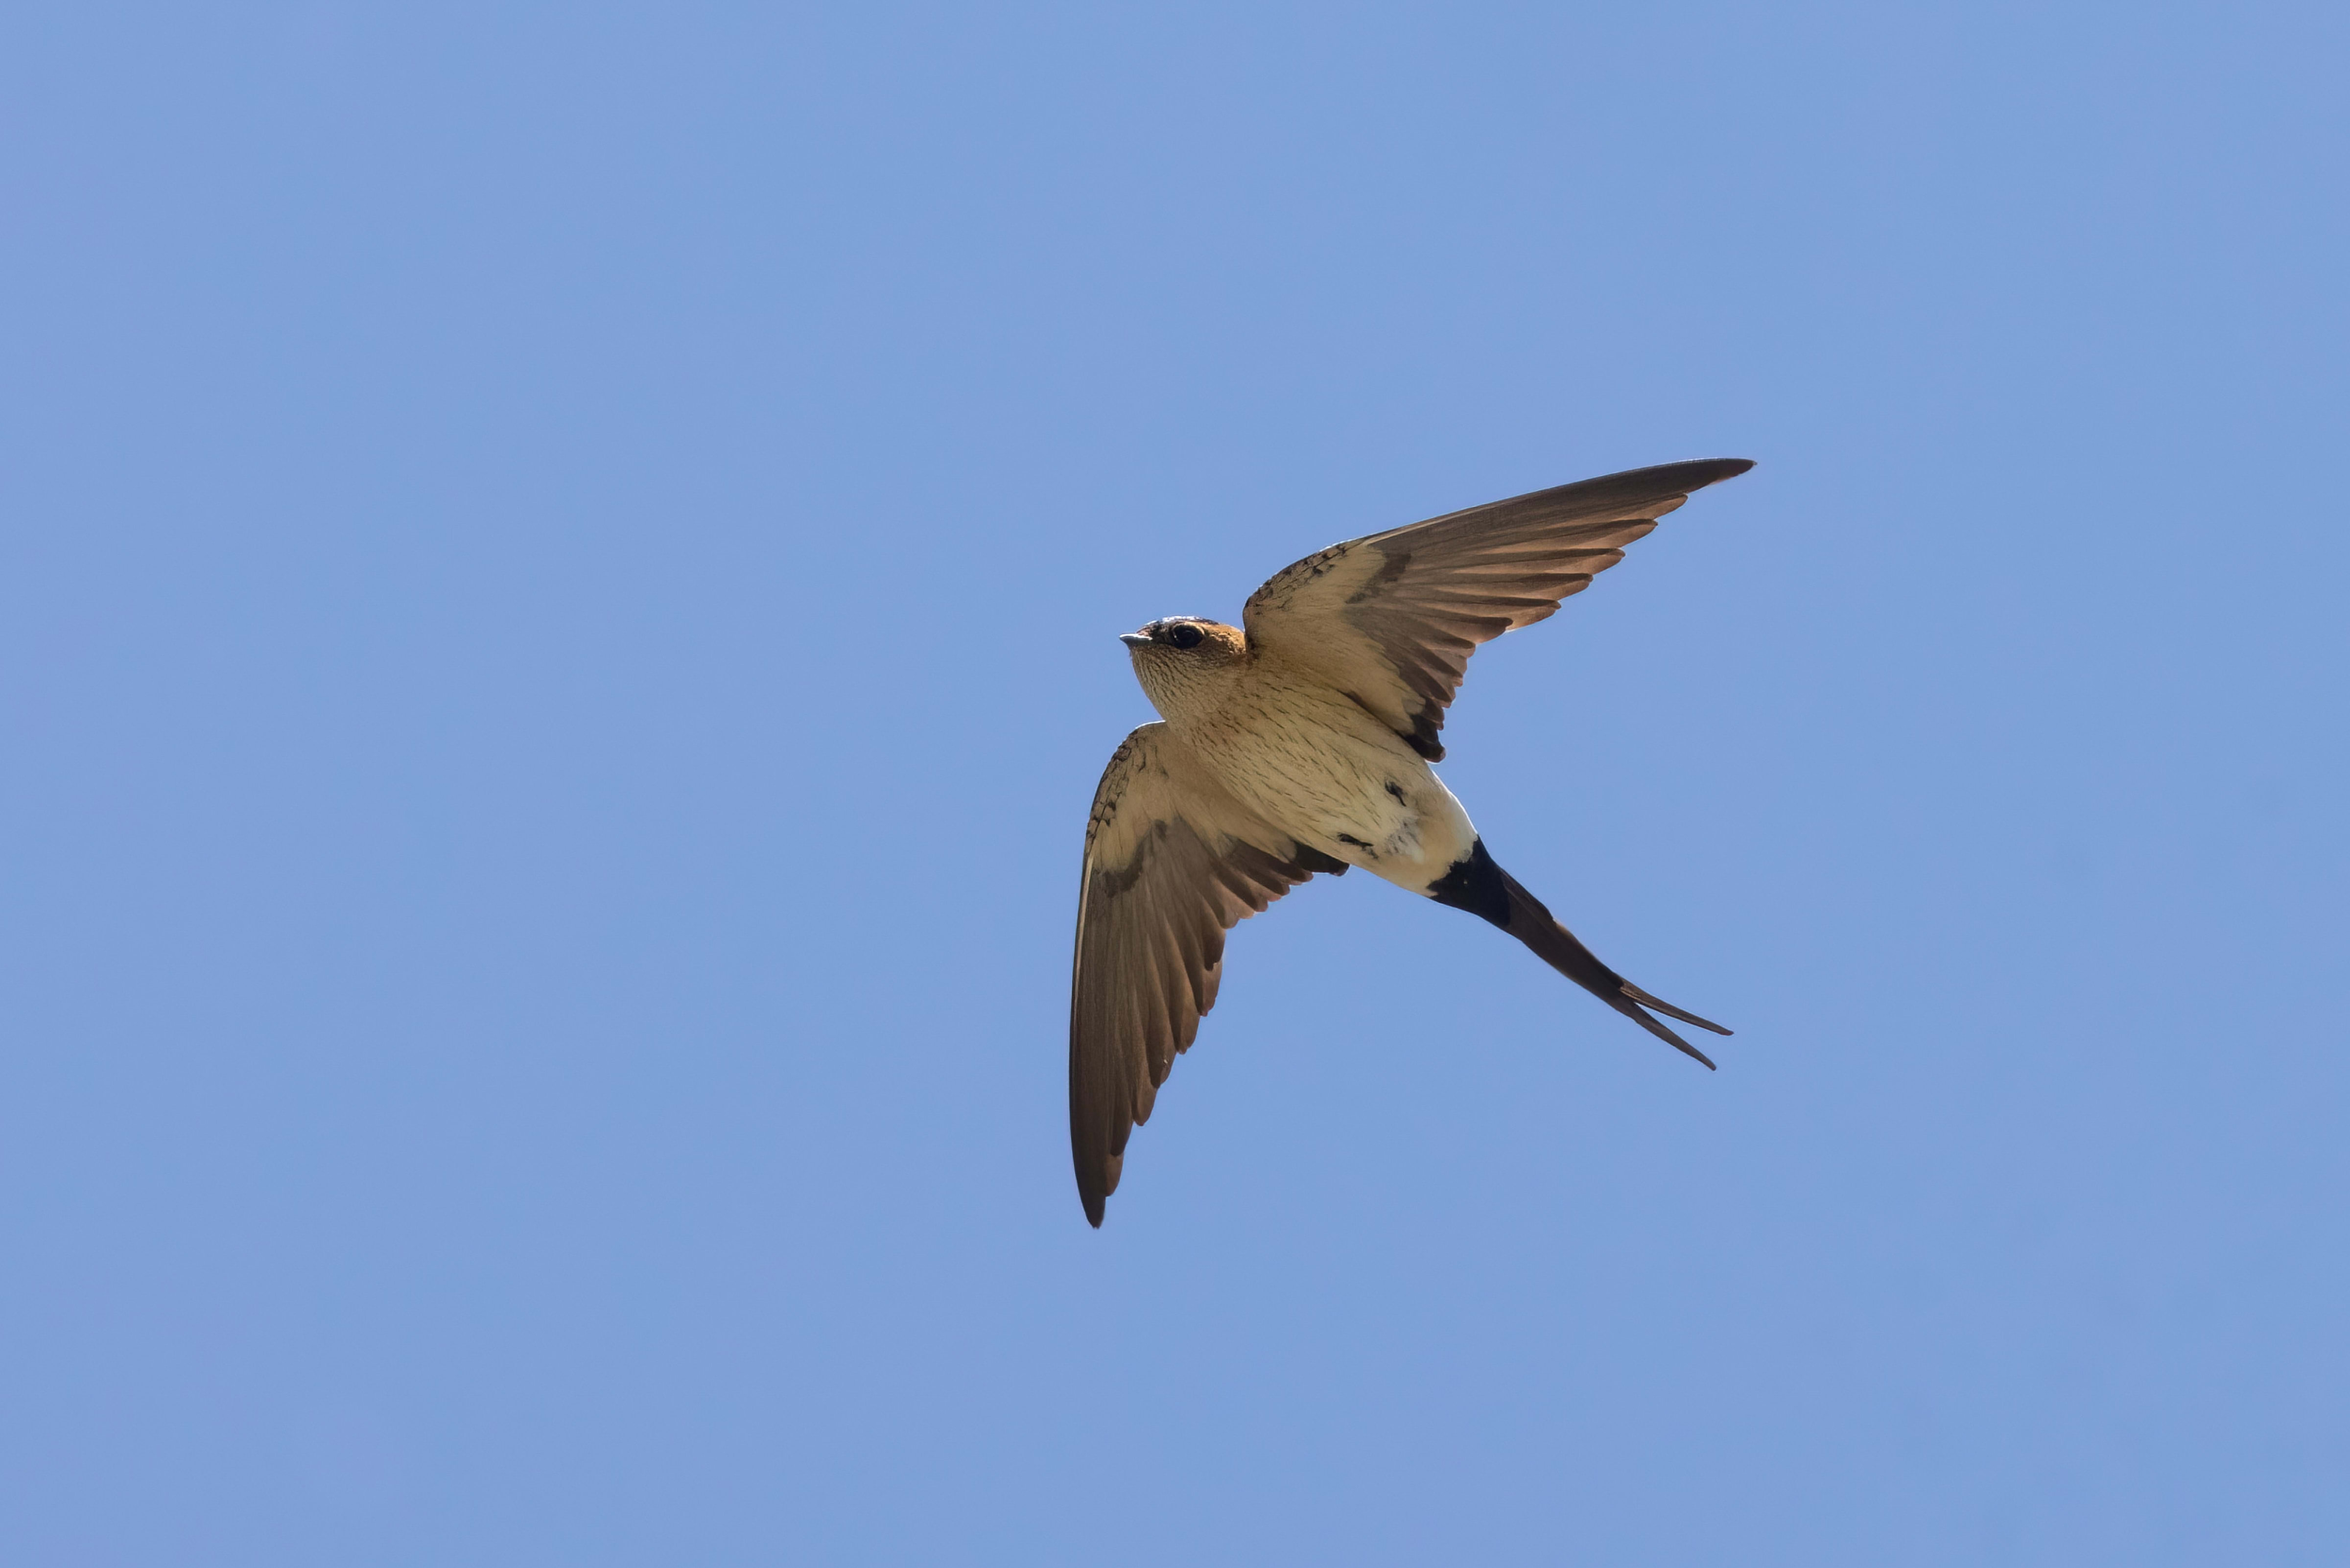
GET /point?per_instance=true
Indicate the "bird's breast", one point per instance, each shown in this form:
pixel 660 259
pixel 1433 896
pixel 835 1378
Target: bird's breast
pixel 1328 774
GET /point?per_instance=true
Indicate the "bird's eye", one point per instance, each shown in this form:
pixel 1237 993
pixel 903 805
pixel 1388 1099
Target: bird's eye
pixel 1185 635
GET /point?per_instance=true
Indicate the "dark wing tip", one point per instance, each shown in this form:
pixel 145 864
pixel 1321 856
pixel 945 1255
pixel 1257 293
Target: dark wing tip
pixel 1095 1195
pixel 1698 472
pixel 1096 1181
pixel 1659 487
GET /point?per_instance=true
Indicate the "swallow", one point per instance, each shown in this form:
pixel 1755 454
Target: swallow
pixel 1300 743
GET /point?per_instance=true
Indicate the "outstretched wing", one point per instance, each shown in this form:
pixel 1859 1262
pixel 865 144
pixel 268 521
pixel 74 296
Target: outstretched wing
pixel 1391 618
pixel 1172 862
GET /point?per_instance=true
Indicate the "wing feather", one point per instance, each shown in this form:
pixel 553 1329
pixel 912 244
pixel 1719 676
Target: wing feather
pixel 1172 863
pixel 1391 618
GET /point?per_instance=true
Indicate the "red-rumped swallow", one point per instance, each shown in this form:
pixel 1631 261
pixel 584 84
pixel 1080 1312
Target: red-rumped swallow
pixel 1300 741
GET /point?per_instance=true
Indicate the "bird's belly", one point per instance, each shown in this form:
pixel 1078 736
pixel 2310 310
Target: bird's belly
pixel 1370 804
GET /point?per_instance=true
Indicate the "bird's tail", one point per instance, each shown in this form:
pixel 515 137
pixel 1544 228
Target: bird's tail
pixel 1483 888
pixel 1556 946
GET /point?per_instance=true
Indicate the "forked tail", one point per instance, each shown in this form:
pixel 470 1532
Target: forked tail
pixel 1483 888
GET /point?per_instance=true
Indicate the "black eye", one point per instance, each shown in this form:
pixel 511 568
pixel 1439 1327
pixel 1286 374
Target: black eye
pixel 1186 636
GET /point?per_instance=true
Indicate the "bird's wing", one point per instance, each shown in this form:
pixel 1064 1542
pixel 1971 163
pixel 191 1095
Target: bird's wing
pixel 1391 618
pixel 1172 862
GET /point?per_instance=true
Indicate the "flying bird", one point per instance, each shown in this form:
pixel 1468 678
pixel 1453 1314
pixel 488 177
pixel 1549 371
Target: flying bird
pixel 1299 742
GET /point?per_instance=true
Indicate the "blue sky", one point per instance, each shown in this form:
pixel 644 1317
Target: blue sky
pixel 555 635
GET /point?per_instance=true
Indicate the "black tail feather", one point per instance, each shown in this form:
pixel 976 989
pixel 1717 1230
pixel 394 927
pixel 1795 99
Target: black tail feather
pixel 1632 1011
pixel 1669 1010
pixel 1483 888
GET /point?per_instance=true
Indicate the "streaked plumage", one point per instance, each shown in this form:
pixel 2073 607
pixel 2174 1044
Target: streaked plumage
pixel 1302 744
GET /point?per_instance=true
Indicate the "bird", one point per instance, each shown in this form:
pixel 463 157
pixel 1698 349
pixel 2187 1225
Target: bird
pixel 1300 743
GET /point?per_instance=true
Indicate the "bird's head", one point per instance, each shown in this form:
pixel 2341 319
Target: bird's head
pixel 1184 661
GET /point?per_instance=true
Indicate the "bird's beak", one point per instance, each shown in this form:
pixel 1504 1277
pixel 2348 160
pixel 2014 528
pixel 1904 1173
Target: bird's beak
pixel 1133 639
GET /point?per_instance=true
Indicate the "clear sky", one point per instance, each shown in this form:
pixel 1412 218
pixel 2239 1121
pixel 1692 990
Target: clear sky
pixel 557 608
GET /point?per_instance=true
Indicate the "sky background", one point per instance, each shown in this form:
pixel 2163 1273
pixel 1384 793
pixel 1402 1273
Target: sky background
pixel 556 600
